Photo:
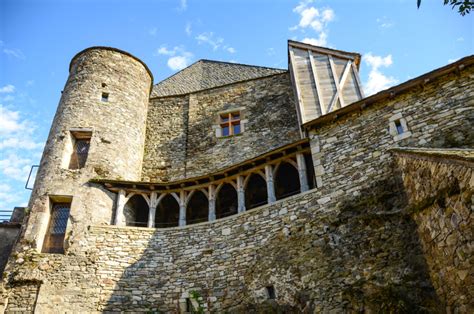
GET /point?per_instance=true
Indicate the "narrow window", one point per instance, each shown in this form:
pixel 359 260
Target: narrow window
pixel 189 306
pixel 399 126
pixel 54 239
pixel 81 144
pixel 105 97
pixel 271 293
pixel 230 123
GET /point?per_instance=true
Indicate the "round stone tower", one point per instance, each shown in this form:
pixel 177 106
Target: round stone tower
pixel 98 132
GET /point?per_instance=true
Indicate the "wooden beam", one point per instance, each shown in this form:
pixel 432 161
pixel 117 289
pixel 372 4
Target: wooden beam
pixel 297 88
pixel 316 83
pixel 358 83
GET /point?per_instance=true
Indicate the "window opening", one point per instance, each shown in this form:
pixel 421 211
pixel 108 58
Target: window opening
pixel 226 201
pixel 136 211
pixel 230 123
pixel 271 292
pixel 104 85
pixel 167 213
pixel 80 151
pixel 54 239
pixel 197 209
pixel 105 97
pixel 399 126
pixel 256 192
pixel 287 181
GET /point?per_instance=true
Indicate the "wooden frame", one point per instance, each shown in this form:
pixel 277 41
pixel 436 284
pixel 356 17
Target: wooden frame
pixel 230 120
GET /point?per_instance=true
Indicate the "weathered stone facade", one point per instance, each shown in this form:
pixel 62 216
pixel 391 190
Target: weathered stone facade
pixel 181 141
pixel 383 230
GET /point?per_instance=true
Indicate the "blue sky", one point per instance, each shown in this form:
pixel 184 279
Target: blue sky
pixel 39 38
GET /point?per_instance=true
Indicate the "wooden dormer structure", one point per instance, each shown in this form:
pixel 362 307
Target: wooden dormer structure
pixel 323 79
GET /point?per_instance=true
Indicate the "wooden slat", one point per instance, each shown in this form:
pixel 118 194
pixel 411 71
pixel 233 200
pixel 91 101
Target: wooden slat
pixel 336 81
pixel 316 83
pixel 359 84
pixel 297 88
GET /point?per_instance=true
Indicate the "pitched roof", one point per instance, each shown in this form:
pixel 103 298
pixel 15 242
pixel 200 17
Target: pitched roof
pixel 205 74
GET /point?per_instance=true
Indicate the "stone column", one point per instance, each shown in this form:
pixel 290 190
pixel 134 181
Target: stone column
pixel 152 209
pixel 270 187
pixel 302 172
pixel 120 203
pixel 240 194
pixel 212 202
pixel 316 154
pixel 182 208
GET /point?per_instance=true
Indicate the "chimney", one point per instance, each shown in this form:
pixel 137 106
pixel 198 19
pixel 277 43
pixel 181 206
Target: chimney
pixel 323 79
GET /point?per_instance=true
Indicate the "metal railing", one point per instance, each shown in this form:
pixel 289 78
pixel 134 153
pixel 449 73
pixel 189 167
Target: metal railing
pixel 5 215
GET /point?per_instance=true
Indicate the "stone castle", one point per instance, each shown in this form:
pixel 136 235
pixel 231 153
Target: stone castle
pixel 246 189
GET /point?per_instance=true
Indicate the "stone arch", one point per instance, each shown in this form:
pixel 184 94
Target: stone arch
pixel 136 211
pixel 286 180
pixel 255 191
pixel 226 200
pixel 167 211
pixel 197 209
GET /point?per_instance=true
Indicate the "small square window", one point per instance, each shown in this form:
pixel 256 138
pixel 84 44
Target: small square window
pixel 230 123
pixel 271 293
pixel 399 126
pixel 105 97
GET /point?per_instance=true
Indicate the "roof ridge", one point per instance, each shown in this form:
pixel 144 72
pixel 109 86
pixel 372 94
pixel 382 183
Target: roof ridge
pixel 242 64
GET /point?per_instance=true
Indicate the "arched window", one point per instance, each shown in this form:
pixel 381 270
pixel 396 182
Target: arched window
pixel 167 212
pixel 286 181
pixel 226 201
pixel 136 211
pixel 197 209
pixel 255 191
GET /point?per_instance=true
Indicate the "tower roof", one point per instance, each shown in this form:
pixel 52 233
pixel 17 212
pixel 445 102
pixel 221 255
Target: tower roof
pixel 205 74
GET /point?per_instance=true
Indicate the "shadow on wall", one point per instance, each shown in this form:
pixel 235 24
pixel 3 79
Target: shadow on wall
pixel 359 254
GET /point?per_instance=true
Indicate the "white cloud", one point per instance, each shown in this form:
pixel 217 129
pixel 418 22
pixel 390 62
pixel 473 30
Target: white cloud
pixel 15 167
pixel 384 22
pixel 152 31
pixel 183 5
pixel 17 142
pixel 215 42
pixel 377 81
pixel 460 39
pixel 453 60
pixel 16 53
pixel 187 29
pixel 179 57
pixel 315 19
pixel 7 89
pixel 178 62
pixel 208 38
pixel 10 121
pixel 320 41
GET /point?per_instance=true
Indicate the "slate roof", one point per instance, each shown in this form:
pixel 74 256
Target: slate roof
pixel 205 74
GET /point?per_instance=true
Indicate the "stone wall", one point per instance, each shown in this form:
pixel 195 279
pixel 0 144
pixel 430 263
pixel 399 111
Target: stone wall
pixel 440 188
pixel 8 234
pixel 347 246
pixel 354 151
pixel 181 138
pixel 337 256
